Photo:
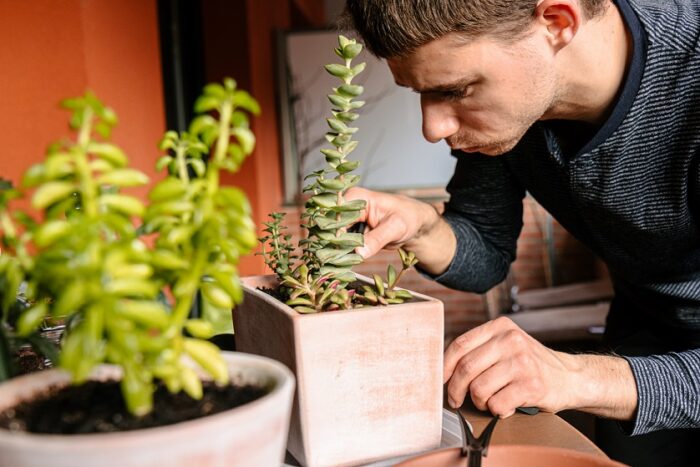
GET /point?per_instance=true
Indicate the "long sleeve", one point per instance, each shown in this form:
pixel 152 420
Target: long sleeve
pixel 485 212
pixel 669 391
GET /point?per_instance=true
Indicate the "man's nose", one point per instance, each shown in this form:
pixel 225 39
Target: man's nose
pixel 439 121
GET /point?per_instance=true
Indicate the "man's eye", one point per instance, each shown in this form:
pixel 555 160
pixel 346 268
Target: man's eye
pixel 458 94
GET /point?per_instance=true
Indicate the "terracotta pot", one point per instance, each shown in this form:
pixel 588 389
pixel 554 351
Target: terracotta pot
pixel 369 381
pixel 513 456
pixel 252 435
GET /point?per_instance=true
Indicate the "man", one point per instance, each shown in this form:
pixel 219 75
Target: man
pixel 593 107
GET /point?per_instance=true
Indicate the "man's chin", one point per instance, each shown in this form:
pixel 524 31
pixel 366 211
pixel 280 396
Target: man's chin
pixel 490 149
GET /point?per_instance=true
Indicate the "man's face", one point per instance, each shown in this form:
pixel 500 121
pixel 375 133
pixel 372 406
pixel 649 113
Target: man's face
pixel 479 96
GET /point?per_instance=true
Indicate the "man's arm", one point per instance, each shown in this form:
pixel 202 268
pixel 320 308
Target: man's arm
pixel 399 221
pixel 501 368
pixel 472 245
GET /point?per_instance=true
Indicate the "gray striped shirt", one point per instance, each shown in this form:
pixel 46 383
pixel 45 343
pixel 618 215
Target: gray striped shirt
pixel 630 192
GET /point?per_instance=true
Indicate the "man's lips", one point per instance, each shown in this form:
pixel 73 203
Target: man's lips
pixel 471 149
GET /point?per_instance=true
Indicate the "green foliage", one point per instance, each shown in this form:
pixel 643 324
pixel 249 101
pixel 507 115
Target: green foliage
pixel 321 282
pixel 90 266
pixel 385 292
pixel 279 258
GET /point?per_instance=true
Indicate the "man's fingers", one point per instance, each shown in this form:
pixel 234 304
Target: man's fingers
pixel 462 346
pixel 489 382
pixel 363 194
pixel 470 369
pixel 357 193
pixel 504 402
pixel 379 236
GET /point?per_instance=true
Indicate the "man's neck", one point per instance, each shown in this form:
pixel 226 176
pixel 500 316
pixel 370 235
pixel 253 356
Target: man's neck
pixel 592 69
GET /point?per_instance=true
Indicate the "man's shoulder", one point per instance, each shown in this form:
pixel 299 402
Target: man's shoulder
pixel 664 5
pixel 670 24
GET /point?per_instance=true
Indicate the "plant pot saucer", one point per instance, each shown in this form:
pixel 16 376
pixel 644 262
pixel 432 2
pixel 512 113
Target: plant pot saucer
pixel 451 437
pixel 504 455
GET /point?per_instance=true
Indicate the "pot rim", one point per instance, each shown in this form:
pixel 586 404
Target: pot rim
pixel 281 375
pixel 424 300
pixel 524 447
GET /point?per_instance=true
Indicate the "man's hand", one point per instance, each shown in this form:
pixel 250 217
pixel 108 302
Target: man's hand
pixel 399 221
pixel 502 368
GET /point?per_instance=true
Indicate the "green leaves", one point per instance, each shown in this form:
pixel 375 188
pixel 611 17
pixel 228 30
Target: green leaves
pixel 320 281
pixel 50 193
pixel 84 259
pixel 124 204
pixel 339 71
pixel 123 178
pixel 109 153
pixel 387 294
pixel 328 250
pixel 169 188
pixel 350 90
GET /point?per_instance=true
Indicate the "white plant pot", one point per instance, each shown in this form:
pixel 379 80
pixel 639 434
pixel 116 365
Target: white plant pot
pixel 251 435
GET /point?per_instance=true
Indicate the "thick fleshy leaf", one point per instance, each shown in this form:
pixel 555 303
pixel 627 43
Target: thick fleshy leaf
pixel 354 205
pixel 346 167
pixel 50 193
pixel 326 255
pixel 350 90
pixel 169 188
pixel 346 218
pixel 346 239
pixel 125 204
pixel 109 152
pixel 347 260
pixel 324 201
pixel 123 178
pixel 339 71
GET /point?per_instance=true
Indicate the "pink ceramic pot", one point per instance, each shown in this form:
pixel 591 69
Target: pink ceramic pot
pixel 251 435
pixel 513 456
pixel 369 381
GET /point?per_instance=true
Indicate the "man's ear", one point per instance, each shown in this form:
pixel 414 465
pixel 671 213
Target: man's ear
pixel 561 18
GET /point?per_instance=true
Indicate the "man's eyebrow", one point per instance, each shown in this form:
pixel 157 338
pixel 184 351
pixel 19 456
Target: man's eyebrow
pixel 447 87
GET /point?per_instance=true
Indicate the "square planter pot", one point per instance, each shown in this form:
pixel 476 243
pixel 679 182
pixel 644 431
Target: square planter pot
pixel 369 381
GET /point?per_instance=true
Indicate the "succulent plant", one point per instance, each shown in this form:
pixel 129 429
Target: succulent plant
pixel 385 293
pixel 85 260
pixel 320 282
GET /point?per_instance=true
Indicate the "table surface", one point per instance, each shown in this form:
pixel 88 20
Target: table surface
pixel 542 429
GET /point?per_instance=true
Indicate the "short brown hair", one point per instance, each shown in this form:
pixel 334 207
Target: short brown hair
pixel 394 28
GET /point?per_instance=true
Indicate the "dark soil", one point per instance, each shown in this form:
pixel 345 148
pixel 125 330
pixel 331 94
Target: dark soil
pixel 357 285
pixel 275 293
pixel 29 361
pixel 99 408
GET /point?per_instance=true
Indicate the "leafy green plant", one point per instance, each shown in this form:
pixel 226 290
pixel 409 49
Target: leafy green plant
pixel 320 282
pixel 126 301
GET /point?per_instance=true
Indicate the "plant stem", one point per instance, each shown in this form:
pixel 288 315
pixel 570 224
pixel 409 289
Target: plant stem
pixel 88 188
pixel 224 131
pixel 182 163
pixel 184 303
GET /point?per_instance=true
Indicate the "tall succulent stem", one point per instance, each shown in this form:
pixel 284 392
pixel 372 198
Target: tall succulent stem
pixel 88 188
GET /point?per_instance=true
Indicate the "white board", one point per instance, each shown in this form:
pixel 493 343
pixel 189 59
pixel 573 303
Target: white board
pixel 393 153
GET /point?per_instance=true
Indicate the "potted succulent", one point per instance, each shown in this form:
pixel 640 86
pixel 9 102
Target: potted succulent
pixel 367 355
pixel 122 275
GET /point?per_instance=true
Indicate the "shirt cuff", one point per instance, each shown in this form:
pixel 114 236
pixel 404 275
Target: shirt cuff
pixel 667 391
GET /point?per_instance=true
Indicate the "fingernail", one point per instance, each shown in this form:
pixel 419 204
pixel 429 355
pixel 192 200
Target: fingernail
pixel 362 251
pixel 452 403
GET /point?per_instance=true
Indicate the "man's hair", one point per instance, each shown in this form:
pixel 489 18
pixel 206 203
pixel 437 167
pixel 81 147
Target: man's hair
pixel 395 28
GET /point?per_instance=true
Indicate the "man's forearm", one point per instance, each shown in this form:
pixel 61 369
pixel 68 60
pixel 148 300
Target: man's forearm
pixel 602 385
pixel 435 244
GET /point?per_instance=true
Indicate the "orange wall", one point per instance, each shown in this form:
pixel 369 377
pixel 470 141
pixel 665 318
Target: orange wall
pixel 239 42
pixel 52 49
